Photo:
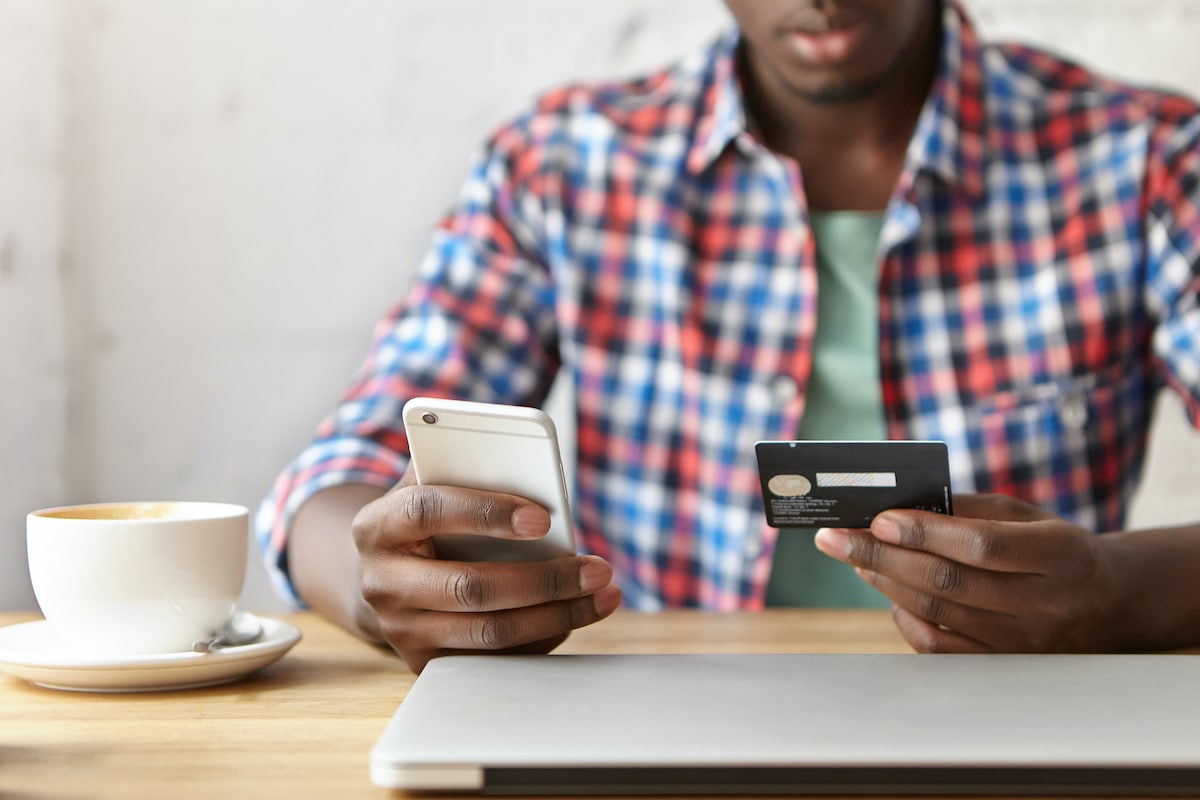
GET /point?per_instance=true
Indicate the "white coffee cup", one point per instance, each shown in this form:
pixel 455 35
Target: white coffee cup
pixel 120 579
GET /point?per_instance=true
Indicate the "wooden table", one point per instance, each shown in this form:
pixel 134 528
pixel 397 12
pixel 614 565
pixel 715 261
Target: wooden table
pixel 303 727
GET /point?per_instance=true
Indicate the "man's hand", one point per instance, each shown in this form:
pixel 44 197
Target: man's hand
pixel 427 607
pixel 1000 575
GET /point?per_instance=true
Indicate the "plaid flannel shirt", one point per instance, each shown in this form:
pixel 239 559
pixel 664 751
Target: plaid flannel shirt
pixel 1039 268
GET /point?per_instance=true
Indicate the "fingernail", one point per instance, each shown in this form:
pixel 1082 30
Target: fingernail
pixel 833 542
pixel 885 528
pixel 606 600
pixel 594 574
pixel 530 522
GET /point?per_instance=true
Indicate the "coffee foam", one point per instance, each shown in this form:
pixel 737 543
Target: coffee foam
pixel 119 511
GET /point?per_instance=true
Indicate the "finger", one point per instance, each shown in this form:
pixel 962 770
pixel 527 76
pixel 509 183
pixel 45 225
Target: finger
pixel 408 582
pixel 998 546
pixel 927 638
pixel 540 647
pixel 437 631
pixel 417 659
pixel 982 625
pixel 998 507
pixel 410 513
pixel 922 572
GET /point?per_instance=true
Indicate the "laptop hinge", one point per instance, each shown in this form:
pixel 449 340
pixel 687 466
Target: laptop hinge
pixel 1079 781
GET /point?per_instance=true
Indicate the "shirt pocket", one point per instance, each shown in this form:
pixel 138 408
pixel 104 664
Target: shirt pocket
pixel 1073 446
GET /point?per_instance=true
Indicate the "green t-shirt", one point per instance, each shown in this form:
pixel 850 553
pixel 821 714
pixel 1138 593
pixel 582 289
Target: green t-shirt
pixel 844 398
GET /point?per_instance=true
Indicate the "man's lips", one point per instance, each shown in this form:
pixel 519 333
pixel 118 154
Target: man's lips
pixel 824 36
pixel 828 46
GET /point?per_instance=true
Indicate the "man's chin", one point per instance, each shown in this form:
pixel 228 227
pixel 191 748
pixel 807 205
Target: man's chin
pixel 834 93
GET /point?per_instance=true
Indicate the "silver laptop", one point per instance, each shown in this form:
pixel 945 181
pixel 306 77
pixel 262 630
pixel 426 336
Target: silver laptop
pixel 798 724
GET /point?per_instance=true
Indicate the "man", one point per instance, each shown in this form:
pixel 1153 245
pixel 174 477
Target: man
pixel 843 220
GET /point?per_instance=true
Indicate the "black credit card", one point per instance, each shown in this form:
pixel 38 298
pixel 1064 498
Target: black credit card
pixel 808 484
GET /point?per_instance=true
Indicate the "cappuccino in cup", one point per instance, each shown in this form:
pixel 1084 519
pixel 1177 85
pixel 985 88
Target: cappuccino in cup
pixel 127 579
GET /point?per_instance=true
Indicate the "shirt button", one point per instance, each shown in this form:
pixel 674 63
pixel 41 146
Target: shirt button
pixel 784 389
pixel 1073 411
pixel 752 547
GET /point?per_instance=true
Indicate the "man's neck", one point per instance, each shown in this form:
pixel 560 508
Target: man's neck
pixel 850 151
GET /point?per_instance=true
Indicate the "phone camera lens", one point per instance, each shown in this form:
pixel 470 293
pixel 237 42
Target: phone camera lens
pixel 428 418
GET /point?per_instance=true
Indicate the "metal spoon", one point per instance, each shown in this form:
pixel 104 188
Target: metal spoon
pixel 241 628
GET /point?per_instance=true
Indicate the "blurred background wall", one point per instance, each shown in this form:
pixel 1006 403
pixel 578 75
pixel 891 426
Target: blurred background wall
pixel 206 204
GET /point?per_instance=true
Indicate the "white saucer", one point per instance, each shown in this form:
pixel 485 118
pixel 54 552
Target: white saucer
pixel 32 651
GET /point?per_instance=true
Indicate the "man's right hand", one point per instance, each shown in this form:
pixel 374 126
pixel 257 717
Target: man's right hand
pixel 427 607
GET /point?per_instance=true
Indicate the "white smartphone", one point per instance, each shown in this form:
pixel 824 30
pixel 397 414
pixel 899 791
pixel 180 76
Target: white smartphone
pixel 499 448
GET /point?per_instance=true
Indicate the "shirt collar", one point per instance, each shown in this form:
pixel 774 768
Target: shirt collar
pixel 949 138
pixel 723 114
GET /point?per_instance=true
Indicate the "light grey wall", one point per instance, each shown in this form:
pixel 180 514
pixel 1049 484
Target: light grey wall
pixel 206 204
pixel 33 371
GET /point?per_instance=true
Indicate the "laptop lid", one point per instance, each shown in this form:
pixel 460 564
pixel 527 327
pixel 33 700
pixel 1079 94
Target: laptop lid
pixel 798 724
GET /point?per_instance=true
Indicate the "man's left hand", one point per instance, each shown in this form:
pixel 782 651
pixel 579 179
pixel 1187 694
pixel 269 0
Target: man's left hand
pixel 1001 575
